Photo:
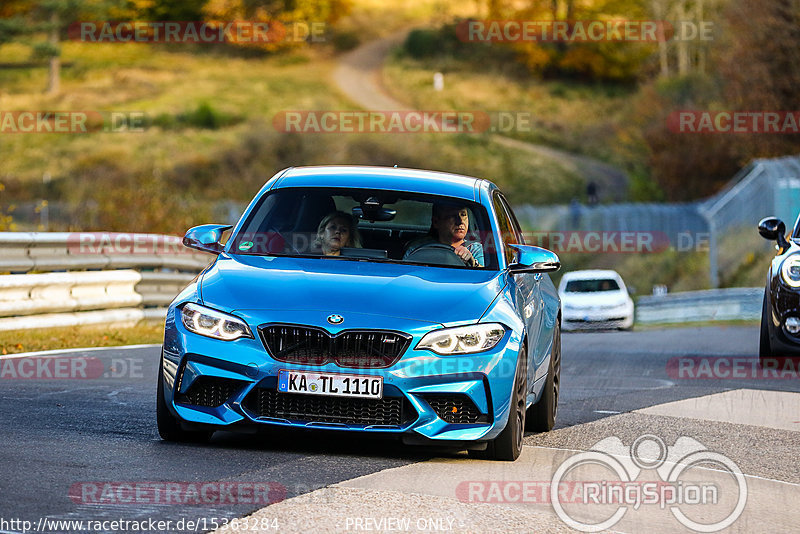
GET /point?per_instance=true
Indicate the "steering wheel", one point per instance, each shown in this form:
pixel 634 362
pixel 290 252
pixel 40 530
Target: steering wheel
pixel 436 253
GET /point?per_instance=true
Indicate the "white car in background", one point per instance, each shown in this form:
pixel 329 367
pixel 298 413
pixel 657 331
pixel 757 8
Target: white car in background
pixel 596 299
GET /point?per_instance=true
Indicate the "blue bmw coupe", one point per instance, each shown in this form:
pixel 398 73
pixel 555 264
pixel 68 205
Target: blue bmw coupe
pixel 367 299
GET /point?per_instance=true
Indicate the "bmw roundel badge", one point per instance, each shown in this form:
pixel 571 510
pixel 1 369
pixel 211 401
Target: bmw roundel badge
pixel 335 319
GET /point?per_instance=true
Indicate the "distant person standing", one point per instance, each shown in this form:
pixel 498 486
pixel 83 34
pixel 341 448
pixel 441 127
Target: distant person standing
pixel 575 213
pixel 591 193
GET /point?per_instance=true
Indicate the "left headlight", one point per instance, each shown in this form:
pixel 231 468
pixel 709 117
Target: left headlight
pixel 790 270
pixel 463 339
pixel 213 323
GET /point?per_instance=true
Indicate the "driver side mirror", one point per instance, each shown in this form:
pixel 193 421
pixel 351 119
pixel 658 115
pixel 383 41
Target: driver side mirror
pixel 773 229
pixel 532 259
pixel 206 238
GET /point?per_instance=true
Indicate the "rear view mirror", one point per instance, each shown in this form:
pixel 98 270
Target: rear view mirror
pixel 534 260
pixel 206 238
pixel 372 210
pixel 773 229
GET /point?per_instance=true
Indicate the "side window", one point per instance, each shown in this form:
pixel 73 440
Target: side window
pixel 504 224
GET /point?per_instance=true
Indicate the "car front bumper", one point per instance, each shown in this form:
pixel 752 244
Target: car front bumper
pixel 427 397
pixel 603 319
pixel 784 303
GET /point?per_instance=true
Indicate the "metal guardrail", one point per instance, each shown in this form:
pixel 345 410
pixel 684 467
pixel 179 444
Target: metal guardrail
pixel 108 277
pixel 83 296
pixel 22 252
pixel 739 303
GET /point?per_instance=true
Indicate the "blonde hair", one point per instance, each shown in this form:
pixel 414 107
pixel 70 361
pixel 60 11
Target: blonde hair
pixel 353 240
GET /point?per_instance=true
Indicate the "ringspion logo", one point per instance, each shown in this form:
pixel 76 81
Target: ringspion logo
pixel 704 491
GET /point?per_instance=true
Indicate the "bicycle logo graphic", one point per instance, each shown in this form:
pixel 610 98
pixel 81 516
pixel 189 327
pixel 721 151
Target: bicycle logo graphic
pixel 649 452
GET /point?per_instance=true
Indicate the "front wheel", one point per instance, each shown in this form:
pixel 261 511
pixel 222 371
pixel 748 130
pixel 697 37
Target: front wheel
pixel 508 445
pixel 170 428
pixel 542 415
pixel 764 345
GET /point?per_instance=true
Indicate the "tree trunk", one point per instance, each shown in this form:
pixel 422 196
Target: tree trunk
pixel 54 74
pixel 663 57
pixel 701 49
pixel 682 46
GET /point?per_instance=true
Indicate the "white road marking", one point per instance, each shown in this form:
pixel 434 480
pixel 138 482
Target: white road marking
pixel 70 351
pixel 756 407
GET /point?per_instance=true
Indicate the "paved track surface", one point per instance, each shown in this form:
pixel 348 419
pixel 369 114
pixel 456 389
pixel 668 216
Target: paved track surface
pixel 59 433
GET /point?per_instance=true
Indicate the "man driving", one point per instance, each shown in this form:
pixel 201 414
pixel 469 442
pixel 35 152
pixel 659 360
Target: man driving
pixel 449 226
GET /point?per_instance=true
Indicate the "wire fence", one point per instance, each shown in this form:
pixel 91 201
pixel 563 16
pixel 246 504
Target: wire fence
pixel 765 187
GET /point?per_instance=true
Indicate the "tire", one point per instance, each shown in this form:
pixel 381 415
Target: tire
pixel 508 445
pixel 169 428
pixel 764 345
pixel 542 415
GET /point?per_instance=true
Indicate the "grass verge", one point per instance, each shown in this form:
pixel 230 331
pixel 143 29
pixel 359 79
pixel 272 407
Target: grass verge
pixel 109 335
pixel 581 118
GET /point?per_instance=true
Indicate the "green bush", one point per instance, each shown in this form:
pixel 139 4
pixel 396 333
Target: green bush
pixel 423 43
pixel 204 116
pixel 345 40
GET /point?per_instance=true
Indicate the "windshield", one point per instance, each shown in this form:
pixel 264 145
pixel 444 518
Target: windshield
pixel 592 286
pixel 369 225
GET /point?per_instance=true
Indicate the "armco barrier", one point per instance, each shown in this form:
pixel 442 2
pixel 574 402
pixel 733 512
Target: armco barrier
pixel 738 303
pixel 22 252
pixel 107 277
pixel 134 286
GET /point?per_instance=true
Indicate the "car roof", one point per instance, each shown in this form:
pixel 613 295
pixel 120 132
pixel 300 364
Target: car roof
pixel 391 178
pixel 591 274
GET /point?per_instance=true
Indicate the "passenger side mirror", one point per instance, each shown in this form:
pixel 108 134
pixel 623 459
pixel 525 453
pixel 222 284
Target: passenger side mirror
pixel 773 229
pixel 532 259
pixel 206 238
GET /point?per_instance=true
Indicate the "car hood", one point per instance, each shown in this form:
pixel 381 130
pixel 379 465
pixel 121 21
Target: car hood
pixel 430 294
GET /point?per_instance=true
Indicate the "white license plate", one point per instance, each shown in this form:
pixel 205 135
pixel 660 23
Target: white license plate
pixel 330 384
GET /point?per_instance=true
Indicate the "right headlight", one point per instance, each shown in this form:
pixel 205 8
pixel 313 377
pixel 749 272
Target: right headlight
pixel 463 339
pixel 213 323
pixel 790 271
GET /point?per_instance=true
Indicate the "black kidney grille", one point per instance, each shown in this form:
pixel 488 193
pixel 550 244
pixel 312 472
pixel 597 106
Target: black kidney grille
pixel 368 349
pixel 389 411
pixel 209 391
pixel 364 349
pixel 297 344
pixel 456 409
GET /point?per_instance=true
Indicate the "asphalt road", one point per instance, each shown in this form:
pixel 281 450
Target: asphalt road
pixel 61 433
